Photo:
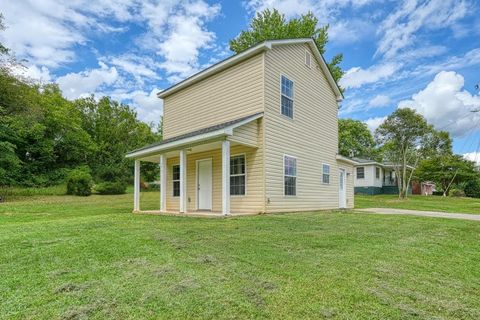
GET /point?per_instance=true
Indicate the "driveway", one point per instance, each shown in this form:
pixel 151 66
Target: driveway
pixel 436 214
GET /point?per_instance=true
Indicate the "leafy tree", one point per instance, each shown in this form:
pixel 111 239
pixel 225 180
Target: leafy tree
pixel 472 188
pixel 404 138
pixel 268 25
pixel 115 130
pixel 447 170
pixel 355 139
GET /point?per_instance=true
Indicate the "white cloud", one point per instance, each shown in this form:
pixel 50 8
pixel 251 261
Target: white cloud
pixel 322 9
pixel 177 33
pixel 38 35
pixel 33 73
pixel 379 101
pixel 473 156
pixel 399 28
pixel 84 83
pixel 346 32
pixel 373 123
pixel 140 67
pixel 471 58
pixel 148 106
pixel 357 77
pixel 446 105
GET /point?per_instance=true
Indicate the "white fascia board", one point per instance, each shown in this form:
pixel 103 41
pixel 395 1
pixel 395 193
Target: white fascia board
pixel 179 143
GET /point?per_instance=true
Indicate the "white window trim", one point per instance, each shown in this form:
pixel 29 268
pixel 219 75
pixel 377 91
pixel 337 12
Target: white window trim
pixel 356 173
pixel 173 180
pixel 329 173
pixel 292 98
pixel 379 173
pixel 235 175
pixel 296 176
pixel 310 55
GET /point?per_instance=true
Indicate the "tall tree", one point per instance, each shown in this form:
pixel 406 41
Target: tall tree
pixel 355 139
pixel 271 24
pixel 404 138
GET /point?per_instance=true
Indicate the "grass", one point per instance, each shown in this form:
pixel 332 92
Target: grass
pixel 12 193
pixel 65 257
pixel 417 202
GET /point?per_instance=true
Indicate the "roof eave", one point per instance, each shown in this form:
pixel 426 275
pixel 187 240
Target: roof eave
pixel 266 45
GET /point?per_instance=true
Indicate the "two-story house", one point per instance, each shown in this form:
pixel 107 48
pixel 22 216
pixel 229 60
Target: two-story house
pixel 254 133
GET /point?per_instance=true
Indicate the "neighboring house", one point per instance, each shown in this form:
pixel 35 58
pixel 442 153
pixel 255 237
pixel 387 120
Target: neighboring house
pixel 373 177
pixel 255 133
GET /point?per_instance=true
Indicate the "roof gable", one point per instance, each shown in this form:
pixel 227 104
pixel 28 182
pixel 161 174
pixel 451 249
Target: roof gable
pixel 266 45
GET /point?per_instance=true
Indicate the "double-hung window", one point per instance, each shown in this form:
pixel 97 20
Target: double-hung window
pixel 377 172
pixel 290 175
pixel 360 172
pixel 287 97
pixel 237 175
pixel 326 173
pixel 176 180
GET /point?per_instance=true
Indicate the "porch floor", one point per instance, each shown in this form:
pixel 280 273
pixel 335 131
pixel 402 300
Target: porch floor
pixel 204 214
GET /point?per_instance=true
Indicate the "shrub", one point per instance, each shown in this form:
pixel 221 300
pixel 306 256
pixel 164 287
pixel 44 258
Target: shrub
pixel 456 193
pixel 111 188
pixel 437 193
pixel 472 188
pixel 79 183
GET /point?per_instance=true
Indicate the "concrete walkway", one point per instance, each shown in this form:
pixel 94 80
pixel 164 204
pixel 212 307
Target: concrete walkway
pixel 463 216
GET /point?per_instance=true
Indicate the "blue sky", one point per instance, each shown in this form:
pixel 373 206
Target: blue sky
pixel 419 54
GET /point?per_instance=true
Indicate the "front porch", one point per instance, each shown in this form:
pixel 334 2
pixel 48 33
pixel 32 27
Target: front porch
pixel 207 173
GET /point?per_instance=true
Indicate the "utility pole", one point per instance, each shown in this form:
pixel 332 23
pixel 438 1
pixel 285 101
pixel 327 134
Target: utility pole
pixel 477 88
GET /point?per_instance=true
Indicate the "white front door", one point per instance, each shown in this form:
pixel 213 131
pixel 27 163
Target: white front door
pixel 204 184
pixel 342 190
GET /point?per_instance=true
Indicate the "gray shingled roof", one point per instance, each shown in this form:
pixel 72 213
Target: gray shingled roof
pixel 360 160
pixel 197 132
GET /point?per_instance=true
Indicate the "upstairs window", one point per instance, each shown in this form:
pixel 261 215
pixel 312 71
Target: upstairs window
pixel 287 97
pixel 290 175
pixel 176 180
pixel 237 175
pixel 326 173
pixel 308 59
pixel 361 173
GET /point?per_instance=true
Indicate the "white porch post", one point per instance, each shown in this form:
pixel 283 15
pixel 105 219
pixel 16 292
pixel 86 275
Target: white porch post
pixel 183 181
pixel 226 177
pixel 136 187
pixel 163 183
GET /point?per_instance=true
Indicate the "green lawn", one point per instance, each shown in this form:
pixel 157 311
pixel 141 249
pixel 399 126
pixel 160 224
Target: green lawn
pixel 416 202
pixel 65 257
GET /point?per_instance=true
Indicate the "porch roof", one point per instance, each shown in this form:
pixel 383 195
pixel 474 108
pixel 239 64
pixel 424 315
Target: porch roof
pixel 194 137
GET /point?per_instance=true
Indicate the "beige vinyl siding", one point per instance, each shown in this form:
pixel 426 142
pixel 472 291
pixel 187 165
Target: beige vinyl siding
pixel 311 136
pixel 247 134
pixel 228 95
pixel 252 202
